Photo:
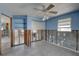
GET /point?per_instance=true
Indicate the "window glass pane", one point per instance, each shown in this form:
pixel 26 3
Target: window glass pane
pixel 64 24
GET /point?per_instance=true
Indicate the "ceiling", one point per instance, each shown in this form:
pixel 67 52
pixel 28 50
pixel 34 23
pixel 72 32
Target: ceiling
pixel 28 8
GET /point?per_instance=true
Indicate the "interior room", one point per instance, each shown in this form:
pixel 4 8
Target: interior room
pixel 39 29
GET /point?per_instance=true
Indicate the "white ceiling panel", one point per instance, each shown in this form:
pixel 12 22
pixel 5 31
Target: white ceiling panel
pixel 28 8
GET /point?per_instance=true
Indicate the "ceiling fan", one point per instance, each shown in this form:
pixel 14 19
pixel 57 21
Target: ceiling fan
pixel 46 11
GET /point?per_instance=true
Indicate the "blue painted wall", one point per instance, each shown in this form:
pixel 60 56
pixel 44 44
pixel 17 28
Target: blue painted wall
pixel 19 22
pixel 24 22
pixel 52 23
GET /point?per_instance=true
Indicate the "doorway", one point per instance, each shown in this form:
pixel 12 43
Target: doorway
pixel 38 35
pixel 18 37
pixel 5 33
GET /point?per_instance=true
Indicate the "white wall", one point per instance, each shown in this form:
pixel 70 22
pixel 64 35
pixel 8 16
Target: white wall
pixel 38 25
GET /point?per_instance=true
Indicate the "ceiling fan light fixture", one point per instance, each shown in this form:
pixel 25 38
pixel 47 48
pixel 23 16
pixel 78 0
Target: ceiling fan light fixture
pixel 44 19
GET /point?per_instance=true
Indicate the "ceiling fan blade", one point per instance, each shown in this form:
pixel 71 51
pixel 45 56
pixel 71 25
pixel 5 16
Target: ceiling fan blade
pixel 37 9
pixel 50 6
pixel 54 12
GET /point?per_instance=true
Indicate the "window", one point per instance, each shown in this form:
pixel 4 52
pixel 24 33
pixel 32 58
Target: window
pixel 64 24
